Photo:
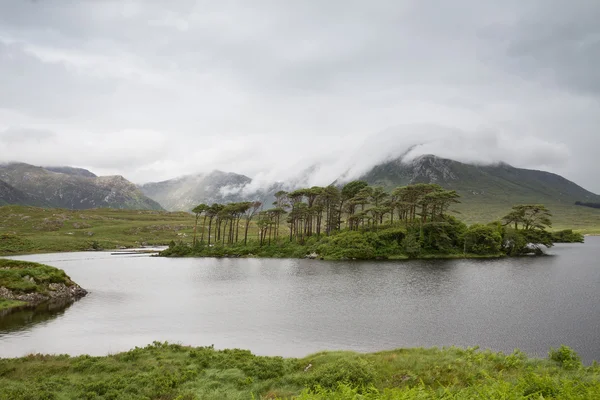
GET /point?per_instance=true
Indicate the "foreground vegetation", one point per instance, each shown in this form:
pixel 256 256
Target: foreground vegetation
pixel 167 371
pixel 363 222
pixel 31 283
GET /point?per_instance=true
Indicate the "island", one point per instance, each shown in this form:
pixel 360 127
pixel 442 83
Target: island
pixel 360 222
pixel 28 284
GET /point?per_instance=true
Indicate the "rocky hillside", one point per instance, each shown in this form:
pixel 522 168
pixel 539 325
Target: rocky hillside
pixel 70 188
pixel 184 193
pixel 489 182
pixel 72 171
pixel 486 190
pixel 11 195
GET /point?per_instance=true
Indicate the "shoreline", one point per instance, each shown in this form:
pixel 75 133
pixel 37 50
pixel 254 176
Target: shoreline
pixel 26 284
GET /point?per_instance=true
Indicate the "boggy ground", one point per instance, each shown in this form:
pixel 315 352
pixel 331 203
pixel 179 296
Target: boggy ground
pixel 168 371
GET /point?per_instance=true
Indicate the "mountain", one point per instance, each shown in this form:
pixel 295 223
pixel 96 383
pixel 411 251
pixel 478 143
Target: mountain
pixel 11 195
pixel 66 187
pixel 72 171
pixel 487 191
pixel 184 193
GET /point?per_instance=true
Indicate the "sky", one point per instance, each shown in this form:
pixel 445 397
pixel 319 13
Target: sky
pixel 161 88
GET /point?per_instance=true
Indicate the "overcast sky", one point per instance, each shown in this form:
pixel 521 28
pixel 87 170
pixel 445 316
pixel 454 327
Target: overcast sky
pixel 156 89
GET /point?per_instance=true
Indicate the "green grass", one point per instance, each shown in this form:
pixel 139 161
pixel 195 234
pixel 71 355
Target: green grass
pixel 6 304
pixel 28 230
pixel 22 277
pixel 584 220
pixel 38 230
pixel 166 371
pixel 27 277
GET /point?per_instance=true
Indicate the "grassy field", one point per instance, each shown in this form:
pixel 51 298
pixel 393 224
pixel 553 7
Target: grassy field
pixel 166 371
pixel 34 230
pixel 585 220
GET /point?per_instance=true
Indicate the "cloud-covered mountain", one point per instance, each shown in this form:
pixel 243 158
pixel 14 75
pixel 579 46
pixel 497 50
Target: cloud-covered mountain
pixel 487 191
pixel 185 192
pixel 66 187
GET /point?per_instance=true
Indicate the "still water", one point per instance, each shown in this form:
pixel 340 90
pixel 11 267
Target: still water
pixel 296 307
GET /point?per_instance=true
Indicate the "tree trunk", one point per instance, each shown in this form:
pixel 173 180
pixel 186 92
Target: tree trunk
pixel 203 228
pixel 246 231
pixel 195 227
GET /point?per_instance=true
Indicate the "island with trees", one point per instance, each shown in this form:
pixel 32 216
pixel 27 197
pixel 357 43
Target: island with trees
pixel 358 221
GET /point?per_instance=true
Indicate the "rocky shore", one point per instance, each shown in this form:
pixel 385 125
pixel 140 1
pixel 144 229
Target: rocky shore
pixel 55 291
pixel 26 284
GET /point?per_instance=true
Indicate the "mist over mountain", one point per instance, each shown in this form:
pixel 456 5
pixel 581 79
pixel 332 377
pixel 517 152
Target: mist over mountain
pixel 185 192
pixel 66 187
pixel 487 190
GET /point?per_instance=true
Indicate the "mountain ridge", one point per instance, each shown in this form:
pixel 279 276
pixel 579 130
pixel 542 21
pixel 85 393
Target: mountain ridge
pixel 68 187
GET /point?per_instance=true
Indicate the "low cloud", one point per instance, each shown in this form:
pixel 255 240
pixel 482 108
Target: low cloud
pixel 25 136
pixel 298 92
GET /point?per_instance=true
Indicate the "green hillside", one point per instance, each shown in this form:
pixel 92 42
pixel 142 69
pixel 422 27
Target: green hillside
pixel 488 192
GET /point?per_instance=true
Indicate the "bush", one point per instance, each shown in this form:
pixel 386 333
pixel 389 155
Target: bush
pixel 443 236
pixel 351 245
pixel 567 236
pixel 565 356
pixel 355 372
pixel 411 245
pixel 178 249
pixel 514 243
pixel 482 239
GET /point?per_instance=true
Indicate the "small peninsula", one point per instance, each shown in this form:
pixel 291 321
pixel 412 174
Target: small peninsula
pixel 25 284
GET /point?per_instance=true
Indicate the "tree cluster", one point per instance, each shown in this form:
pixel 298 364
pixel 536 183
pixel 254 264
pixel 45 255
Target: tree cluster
pixel 362 221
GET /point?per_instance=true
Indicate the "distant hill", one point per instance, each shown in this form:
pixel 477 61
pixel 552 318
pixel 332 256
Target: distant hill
pixel 11 195
pixel 72 171
pixel 487 191
pixel 184 193
pixel 66 187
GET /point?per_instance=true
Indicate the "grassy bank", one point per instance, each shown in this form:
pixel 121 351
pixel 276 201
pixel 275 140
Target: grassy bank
pixel 165 371
pixel 37 230
pixel 31 283
pixel 6 304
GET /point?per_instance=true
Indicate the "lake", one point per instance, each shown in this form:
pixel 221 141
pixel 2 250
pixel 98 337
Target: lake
pixel 296 307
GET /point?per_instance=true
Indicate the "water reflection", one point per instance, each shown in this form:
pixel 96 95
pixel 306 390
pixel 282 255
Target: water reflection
pixel 23 318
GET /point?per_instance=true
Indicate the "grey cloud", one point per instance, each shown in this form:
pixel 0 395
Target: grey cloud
pixel 271 88
pixel 21 135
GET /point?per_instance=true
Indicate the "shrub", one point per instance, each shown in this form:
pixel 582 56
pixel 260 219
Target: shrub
pixel 482 239
pixel 349 244
pixel 411 245
pixel 565 356
pixel 356 372
pixel 567 236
